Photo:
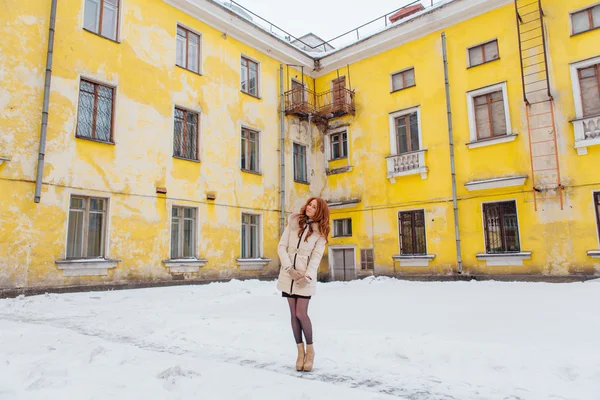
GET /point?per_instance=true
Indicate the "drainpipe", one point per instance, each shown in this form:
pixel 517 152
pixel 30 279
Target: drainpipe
pixel 452 168
pixel 281 150
pixel 44 129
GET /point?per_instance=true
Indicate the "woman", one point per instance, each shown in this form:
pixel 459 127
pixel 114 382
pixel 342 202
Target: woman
pixel 300 250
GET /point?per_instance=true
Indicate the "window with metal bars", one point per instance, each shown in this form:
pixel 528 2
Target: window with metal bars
pixel 250 236
pixel 87 227
pixel 249 77
pixel 342 227
pixel 300 174
pixel 483 53
pixel 407 133
pixel 185 135
pixel 95 111
pixel 597 207
pixel 250 150
pixel 501 227
pixel 366 259
pixel 490 116
pixel 338 145
pixel 589 82
pixel 403 79
pixel 585 20
pixel 183 232
pixel 188 49
pixel 412 232
pixel 102 17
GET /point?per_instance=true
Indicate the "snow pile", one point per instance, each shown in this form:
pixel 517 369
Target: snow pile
pixel 378 338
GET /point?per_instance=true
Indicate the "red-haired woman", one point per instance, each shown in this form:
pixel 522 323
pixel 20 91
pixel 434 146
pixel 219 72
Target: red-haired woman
pixel 300 250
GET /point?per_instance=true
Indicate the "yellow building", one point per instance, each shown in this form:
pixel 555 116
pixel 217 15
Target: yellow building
pixel 141 142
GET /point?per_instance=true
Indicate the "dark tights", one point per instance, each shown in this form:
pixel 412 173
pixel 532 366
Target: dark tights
pixel 300 320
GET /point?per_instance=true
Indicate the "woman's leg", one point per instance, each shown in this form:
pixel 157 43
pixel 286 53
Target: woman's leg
pixel 302 316
pixel 296 327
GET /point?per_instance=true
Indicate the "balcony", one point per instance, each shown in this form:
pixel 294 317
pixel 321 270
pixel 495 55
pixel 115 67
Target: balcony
pixel 587 133
pixel 325 105
pixel 411 163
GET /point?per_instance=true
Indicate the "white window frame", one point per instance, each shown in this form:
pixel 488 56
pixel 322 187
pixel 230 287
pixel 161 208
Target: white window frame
pixel 260 235
pixel 119 22
pixel 509 137
pixel 328 143
pixel 258 77
pixel 200 47
pixel 196 230
pixel 260 149
pixel 581 144
pixel 399 72
pixel 482 44
pixel 305 162
pixel 392 122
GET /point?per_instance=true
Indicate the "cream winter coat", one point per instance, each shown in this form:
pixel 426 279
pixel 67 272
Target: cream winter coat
pixel 305 256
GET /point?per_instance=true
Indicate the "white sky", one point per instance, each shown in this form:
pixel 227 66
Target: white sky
pixel 325 18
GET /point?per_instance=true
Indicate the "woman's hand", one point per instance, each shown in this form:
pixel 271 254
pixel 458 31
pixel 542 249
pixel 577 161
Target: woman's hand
pixel 296 275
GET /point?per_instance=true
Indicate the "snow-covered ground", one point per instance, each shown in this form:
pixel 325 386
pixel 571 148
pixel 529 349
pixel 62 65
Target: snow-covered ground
pixel 377 338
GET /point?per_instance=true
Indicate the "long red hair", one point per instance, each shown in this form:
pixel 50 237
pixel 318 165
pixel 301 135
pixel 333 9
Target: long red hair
pixel 321 217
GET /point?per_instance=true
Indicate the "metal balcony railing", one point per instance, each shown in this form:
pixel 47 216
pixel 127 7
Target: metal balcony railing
pixel 329 104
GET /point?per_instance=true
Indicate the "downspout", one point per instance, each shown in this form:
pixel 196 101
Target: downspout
pixel 44 129
pixel 452 167
pixel 281 150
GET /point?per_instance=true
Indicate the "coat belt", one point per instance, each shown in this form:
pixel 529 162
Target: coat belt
pixel 302 252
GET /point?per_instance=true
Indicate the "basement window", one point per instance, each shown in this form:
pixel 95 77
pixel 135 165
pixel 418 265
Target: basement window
pixel 501 227
pixel 366 259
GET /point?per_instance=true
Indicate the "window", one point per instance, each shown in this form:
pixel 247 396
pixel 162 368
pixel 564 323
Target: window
pixel 403 79
pixel 250 236
pixel 87 226
pixel 489 115
pixel 597 206
pixel 501 227
pixel 250 148
pixel 366 259
pixel 249 77
pixel 300 174
pixel 188 50
pixel 338 145
pixel 412 232
pixel 589 82
pixel 95 113
pixel 342 227
pixel 483 53
pixel 102 17
pixel 585 20
pixel 407 133
pixel 183 232
pixel 185 137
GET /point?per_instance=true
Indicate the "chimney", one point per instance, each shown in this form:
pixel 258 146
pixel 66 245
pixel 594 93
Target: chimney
pixel 405 12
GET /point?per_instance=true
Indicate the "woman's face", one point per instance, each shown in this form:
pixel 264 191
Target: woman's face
pixel 311 208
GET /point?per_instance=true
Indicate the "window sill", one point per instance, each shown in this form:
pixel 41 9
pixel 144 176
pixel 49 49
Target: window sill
pixel 483 63
pixel 252 264
pixel 86 266
pixel 337 159
pixel 504 259
pixel 496 183
pixel 187 159
pixel 95 140
pixel 491 141
pixel 102 36
pixel 404 88
pixel 4 159
pixel 594 253
pixel 582 145
pixel 188 70
pixel 416 260
pixel 340 236
pixel 301 182
pixel 182 265
pixel 251 95
pixel 249 171
pixel 581 33
pixel 341 170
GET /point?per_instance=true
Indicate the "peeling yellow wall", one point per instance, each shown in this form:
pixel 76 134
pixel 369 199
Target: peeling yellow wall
pixel 149 85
